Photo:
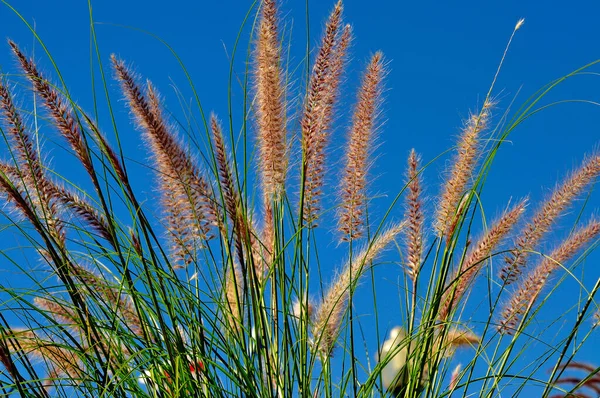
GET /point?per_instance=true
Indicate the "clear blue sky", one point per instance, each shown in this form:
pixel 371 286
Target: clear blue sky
pixel 443 56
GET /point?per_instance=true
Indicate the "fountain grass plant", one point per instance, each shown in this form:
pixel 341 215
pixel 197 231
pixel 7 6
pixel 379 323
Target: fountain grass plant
pixel 209 289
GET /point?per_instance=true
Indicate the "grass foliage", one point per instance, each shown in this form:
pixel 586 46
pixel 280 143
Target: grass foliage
pixel 213 286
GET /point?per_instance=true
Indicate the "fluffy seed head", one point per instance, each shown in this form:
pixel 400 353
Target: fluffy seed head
pixel 328 315
pixel 464 276
pixel 318 106
pixel 414 217
pixel 461 172
pixel 270 99
pixel 531 286
pixel 354 175
pixel 186 196
pixel 547 215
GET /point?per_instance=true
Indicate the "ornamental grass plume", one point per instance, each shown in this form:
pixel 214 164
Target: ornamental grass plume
pixel 546 216
pixel 270 119
pixel 210 281
pixel 270 108
pixel 461 172
pixel 60 312
pixel 29 174
pixel 231 197
pixel 64 119
pixel 328 315
pixel 414 218
pixel 529 289
pixel 64 364
pixel 185 194
pixel 22 143
pixel 318 107
pixel 233 288
pixel 582 387
pixel 463 277
pixel 353 197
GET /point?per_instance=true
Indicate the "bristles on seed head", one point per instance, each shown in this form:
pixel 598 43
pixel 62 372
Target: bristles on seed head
pixel 186 196
pixel 329 314
pixel 520 23
pixel 61 362
pixel 475 259
pixel 531 286
pixel 270 100
pixel 547 215
pixel 62 115
pixel 231 196
pixel 29 175
pixel 62 314
pixel 354 175
pixel 454 377
pixel 414 217
pixel 234 295
pixel 318 106
pixel 461 172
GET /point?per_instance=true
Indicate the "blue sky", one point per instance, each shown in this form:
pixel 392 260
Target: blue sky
pixel 442 58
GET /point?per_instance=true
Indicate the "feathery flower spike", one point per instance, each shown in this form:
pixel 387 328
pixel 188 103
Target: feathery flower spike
pixel 328 315
pixel 354 176
pixel 530 288
pixel 414 217
pixel 475 259
pixel 448 209
pixel 185 194
pixel 546 216
pixel 318 104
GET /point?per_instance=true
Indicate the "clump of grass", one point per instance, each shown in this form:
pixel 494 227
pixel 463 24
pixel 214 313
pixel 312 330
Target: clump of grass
pixel 212 292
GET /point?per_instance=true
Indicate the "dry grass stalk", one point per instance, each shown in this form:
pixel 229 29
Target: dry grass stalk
pixel 546 216
pixel 185 195
pixel 233 289
pixel 414 217
pixel 328 315
pixel 354 176
pixel 318 105
pixel 64 118
pixel 530 287
pixel 473 262
pixel 461 172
